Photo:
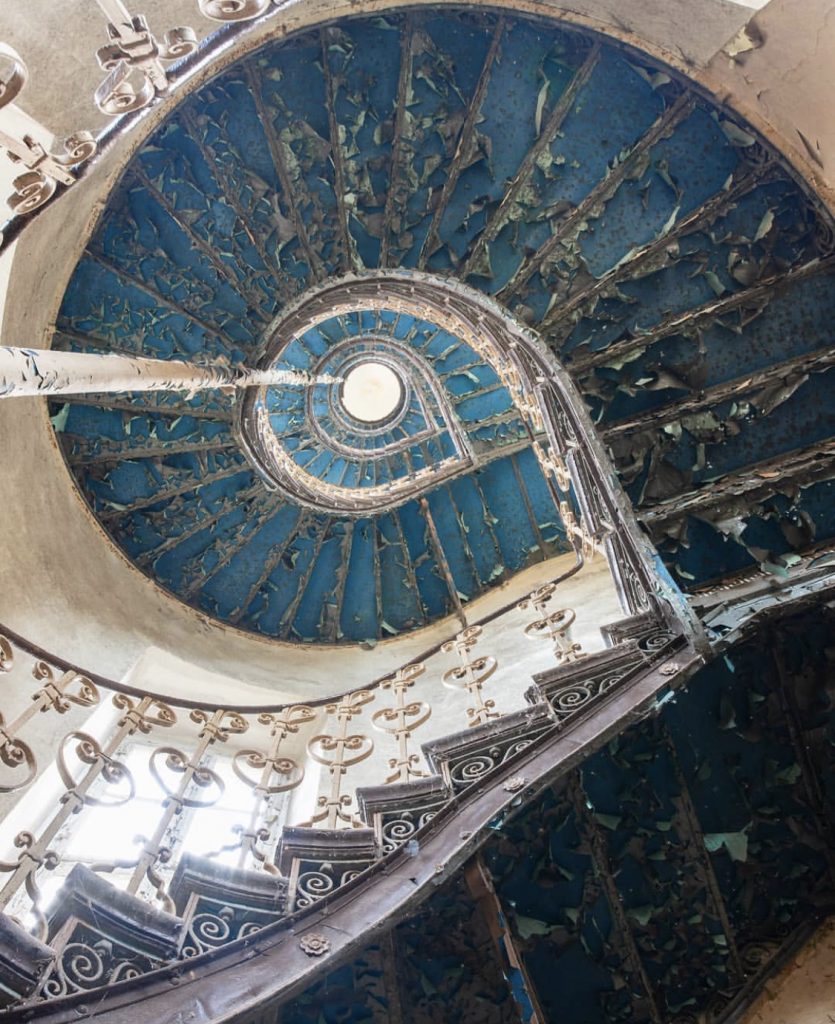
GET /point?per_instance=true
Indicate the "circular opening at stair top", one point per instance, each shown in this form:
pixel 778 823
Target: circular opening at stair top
pixel 371 392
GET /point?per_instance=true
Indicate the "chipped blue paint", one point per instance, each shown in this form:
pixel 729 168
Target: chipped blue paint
pixel 232 209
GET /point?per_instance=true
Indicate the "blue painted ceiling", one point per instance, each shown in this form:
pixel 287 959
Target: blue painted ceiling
pixel 661 251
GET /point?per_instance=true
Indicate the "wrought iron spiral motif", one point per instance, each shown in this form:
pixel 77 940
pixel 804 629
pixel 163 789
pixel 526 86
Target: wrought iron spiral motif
pixel 756 955
pixel 88 752
pixel 417 710
pixel 208 931
pixel 363 745
pixel 220 724
pixel 233 10
pixel 60 695
pixel 312 886
pixel 655 641
pixel 157 714
pixel 14 754
pixel 470 770
pixel 396 831
pixel 6 651
pixel 283 767
pixel 571 698
pixel 76 149
pixel 471 674
pixel 31 190
pixel 175 761
pixel 15 76
pixel 79 967
pixel 824 238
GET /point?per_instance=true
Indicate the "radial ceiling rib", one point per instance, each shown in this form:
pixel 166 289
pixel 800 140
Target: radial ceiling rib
pixel 335 632
pixel 679 323
pixel 165 496
pixel 222 269
pixel 271 563
pixel 641 258
pixel 257 508
pixel 322 533
pixel 341 189
pixel 602 192
pixel 532 519
pixel 696 836
pixel 185 507
pixel 144 406
pixel 158 451
pixel 282 284
pixel 210 520
pixel 526 168
pixel 813 362
pixel 240 542
pixel 161 300
pixel 404 90
pixel 792 469
pixel 464 145
pixel 594 839
pixel 288 186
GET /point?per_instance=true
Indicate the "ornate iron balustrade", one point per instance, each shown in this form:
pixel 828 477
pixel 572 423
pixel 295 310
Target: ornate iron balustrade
pixel 174 897
pixel 135 61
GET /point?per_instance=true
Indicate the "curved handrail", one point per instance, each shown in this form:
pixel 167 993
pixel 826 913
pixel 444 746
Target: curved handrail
pixel 250 709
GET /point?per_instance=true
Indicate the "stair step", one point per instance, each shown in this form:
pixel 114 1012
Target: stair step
pixel 317 861
pixel 463 758
pixel 219 903
pixel 23 961
pixel 397 811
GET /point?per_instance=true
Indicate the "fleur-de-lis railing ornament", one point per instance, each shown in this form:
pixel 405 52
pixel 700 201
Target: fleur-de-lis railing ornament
pixel 45 169
pixel 234 10
pixel 554 626
pixel 278 774
pixel 471 675
pixel 197 786
pixel 338 753
pixel 401 720
pixel 99 764
pixel 134 58
pixel 56 695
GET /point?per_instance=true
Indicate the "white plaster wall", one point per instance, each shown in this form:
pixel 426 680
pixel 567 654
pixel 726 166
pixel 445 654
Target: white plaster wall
pixel 785 83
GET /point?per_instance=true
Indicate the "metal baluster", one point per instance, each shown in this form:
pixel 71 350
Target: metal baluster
pixel 55 696
pixel 45 168
pixel 215 728
pixel 554 626
pixel 471 675
pixel 134 57
pixel 347 750
pixel 35 851
pixel 401 721
pixel 282 725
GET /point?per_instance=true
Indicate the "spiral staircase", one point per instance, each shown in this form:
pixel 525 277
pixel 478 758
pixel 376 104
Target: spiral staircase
pixel 560 330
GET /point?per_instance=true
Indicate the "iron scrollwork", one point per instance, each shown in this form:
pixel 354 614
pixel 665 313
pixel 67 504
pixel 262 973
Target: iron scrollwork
pixel 134 59
pixel 45 168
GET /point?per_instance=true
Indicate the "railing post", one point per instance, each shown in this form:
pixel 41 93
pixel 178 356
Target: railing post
pixel 472 674
pixel 347 750
pixel 401 721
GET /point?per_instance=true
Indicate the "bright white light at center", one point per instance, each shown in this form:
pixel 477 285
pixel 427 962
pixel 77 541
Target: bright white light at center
pixel 371 392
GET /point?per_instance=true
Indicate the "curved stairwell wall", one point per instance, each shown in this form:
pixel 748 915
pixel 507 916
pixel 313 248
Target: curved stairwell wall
pixel 67 587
